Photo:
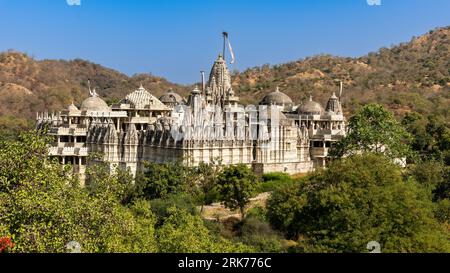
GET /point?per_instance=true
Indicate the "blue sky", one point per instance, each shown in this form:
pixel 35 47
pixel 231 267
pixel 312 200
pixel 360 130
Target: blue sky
pixel 178 38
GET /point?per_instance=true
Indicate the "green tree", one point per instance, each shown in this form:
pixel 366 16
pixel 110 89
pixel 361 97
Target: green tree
pixel 415 124
pixel 284 207
pixel 161 180
pixel 206 182
pixel 439 130
pixel 258 233
pixel 183 232
pixel 43 207
pixel 431 136
pixel 356 200
pixel 182 201
pixel 374 129
pixel 237 184
pixel 433 175
pixel 443 212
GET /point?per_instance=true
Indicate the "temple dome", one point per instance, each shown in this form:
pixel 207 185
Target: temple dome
pixel 141 98
pixel 310 108
pixel 72 108
pixel 277 98
pixel 171 98
pixel 94 103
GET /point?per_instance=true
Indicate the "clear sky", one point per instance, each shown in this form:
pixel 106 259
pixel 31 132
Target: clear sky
pixel 178 38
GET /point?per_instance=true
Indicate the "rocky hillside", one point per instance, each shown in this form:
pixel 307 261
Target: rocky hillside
pixel 413 76
pixel 410 76
pixel 28 85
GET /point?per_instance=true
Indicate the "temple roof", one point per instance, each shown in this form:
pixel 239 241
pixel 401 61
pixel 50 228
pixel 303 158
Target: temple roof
pixel 310 108
pixel 94 103
pixel 72 108
pixel 277 98
pixel 334 105
pixel 219 83
pixel 171 97
pixel 141 98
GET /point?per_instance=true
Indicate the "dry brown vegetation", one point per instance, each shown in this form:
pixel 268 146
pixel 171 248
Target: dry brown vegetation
pixel 412 76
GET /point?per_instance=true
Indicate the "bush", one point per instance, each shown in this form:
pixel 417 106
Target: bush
pixel 274 181
pixel 258 234
pixel 357 200
pixel 442 211
pixel 42 207
pixel 182 232
pixel 160 207
pixel 161 180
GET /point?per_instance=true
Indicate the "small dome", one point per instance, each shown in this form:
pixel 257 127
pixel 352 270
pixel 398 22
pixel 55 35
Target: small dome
pixel 196 90
pixel 72 108
pixel 277 98
pixel 310 108
pixel 94 103
pixel 171 98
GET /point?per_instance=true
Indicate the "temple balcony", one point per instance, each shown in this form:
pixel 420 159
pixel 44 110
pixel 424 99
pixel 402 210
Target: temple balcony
pixel 319 152
pixel 65 131
pixel 68 151
pixel 144 120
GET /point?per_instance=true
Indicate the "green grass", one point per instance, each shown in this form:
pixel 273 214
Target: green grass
pixel 274 181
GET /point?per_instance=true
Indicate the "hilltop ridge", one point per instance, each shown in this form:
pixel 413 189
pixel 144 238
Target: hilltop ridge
pixel 412 76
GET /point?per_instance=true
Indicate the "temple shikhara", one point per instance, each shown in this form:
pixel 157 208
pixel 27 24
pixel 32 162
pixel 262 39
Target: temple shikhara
pixel 208 126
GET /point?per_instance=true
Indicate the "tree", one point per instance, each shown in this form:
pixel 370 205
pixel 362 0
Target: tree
pixel 431 136
pixel 237 184
pixel 439 130
pixel 356 200
pixel 434 176
pixel 183 232
pixel 283 208
pixel 161 180
pixel 43 207
pixel 206 180
pixel 416 124
pixel 374 129
pixel 258 233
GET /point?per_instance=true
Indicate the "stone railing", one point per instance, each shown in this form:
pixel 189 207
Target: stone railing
pixel 68 131
pixel 318 151
pixel 68 151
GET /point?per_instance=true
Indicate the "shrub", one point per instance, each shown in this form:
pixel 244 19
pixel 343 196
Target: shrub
pixel 274 181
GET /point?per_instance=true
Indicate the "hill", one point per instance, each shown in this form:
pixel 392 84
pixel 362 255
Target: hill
pixel 28 86
pixel 413 76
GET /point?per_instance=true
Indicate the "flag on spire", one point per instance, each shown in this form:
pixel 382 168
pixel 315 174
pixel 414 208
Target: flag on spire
pixel 225 36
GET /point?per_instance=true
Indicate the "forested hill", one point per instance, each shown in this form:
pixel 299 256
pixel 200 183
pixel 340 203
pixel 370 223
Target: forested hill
pixel 28 86
pixel 410 76
pixel 413 76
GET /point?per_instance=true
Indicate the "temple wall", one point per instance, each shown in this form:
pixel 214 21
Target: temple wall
pixel 286 167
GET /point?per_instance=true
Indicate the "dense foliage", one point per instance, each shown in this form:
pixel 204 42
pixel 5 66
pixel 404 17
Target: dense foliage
pixel 237 184
pixel 43 207
pixel 357 200
pixel 186 233
pixel 374 129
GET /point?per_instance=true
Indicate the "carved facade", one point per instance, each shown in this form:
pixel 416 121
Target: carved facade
pixel 210 125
